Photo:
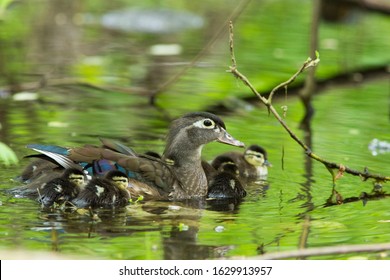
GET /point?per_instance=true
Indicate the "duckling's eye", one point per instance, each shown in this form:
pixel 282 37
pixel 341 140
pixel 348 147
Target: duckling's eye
pixel 208 123
pixel 121 180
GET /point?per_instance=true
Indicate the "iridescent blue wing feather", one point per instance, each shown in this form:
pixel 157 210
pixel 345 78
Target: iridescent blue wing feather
pixel 49 148
pixel 57 154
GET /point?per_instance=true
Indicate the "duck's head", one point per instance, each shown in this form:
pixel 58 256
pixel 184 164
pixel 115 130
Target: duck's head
pixel 75 176
pixel 193 130
pixel 256 156
pixel 118 178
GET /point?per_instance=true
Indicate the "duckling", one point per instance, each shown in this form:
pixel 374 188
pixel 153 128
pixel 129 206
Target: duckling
pixel 61 189
pixel 178 174
pixel 225 184
pixel 108 191
pixel 252 164
pixel 36 168
pixel 41 171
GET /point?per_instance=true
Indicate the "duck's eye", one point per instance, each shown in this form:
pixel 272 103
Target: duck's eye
pixel 205 123
pixel 120 180
pixel 208 123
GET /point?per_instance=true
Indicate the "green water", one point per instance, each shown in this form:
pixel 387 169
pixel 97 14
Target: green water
pixel 79 104
pixel 268 220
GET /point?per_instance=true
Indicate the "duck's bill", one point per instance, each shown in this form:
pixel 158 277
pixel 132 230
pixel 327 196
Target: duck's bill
pixel 226 138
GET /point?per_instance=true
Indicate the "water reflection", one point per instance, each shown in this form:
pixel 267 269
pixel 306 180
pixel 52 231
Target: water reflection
pixel 308 204
pixel 58 36
pixel 183 245
pixel 160 21
pixel 177 223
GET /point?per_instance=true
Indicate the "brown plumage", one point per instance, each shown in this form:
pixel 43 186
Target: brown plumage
pixel 178 174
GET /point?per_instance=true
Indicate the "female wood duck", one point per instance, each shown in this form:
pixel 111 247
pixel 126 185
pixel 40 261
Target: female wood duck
pixel 108 191
pixel 252 164
pixel 225 184
pixel 177 175
pixel 61 189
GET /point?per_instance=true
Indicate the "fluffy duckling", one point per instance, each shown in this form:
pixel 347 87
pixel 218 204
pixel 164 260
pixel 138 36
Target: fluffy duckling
pixel 34 176
pixel 36 168
pixel 225 184
pixel 106 192
pixel 41 171
pixel 252 164
pixel 61 189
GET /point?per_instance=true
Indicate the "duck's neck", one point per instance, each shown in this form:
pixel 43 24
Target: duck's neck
pixel 188 168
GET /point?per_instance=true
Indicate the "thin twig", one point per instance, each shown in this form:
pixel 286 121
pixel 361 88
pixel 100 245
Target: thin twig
pixel 40 198
pixel 231 41
pixel 364 175
pixel 233 67
pixel 286 83
pixel 321 251
pixel 236 12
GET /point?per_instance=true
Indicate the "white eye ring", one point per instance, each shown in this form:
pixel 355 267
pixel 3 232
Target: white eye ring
pixel 208 123
pixel 205 123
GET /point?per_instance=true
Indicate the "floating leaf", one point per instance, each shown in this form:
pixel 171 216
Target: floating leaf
pixel 7 155
pixel 139 198
pixel 183 227
pixel 3 6
pixel 25 96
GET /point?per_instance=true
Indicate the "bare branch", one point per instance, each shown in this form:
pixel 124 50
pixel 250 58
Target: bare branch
pixel 234 64
pixel 321 251
pixel 364 175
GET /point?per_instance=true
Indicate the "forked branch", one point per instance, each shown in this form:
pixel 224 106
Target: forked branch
pixel 331 166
